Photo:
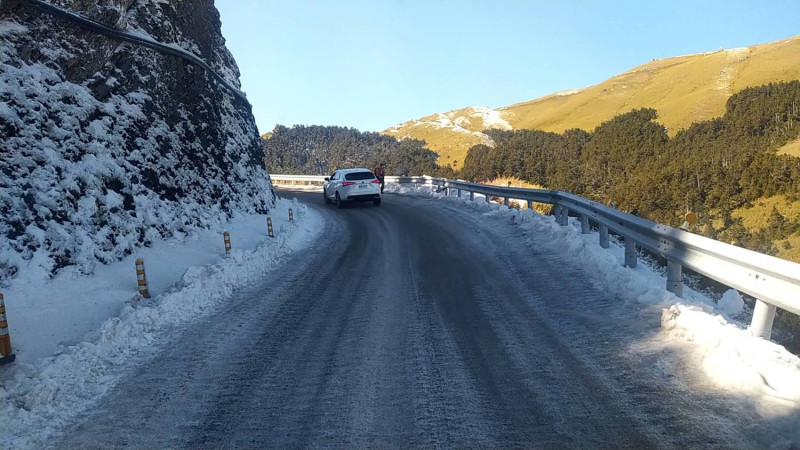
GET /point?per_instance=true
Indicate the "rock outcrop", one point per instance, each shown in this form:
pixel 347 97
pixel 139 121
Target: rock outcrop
pixel 106 146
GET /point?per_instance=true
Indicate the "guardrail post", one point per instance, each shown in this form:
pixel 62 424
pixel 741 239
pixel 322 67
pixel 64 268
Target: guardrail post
pixel 505 201
pixel 5 340
pixel 631 254
pixel 458 193
pixel 564 216
pixel 763 316
pixel 585 229
pixel 471 196
pixel 603 235
pixel 486 196
pixel 675 278
pixel 530 204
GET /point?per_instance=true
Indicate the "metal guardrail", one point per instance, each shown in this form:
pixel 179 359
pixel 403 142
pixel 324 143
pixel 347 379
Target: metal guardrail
pixel 144 41
pixel 301 178
pixel 774 282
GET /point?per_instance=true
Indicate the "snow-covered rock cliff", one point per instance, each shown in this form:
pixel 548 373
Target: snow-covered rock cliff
pixel 106 145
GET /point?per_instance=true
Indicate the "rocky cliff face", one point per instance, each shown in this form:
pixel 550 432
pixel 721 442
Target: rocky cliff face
pixel 105 145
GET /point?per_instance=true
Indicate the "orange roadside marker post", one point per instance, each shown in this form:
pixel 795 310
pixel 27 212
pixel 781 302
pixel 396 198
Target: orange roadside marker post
pixel 5 340
pixel 688 220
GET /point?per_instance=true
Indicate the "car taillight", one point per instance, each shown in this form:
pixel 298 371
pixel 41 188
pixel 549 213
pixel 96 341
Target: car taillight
pixel 347 183
pixel 376 181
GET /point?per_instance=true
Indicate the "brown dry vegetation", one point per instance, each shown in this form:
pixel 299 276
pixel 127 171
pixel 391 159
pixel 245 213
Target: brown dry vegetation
pixel 791 149
pixel 541 208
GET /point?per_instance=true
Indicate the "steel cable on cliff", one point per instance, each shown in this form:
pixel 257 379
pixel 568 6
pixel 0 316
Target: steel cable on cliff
pixel 171 49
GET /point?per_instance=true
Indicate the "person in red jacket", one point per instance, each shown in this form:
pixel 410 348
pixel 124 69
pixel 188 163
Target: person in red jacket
pixel 380 171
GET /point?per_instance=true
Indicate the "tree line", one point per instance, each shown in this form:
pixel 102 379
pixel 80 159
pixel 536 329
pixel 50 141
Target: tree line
pixel 711 168
pixel 317 150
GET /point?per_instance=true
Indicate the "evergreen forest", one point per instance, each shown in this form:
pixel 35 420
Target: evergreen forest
pixel 320 150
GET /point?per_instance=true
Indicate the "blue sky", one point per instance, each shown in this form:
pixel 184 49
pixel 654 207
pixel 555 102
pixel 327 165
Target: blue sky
pixel 371 64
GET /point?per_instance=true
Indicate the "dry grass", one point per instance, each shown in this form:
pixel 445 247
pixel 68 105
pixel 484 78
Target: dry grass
pixel 755 218
pixel 789 248
pixel 451 146
pixel 542 208
pixel 791 149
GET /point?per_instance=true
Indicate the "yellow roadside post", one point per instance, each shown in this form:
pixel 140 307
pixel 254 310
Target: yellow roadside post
pixel 141 279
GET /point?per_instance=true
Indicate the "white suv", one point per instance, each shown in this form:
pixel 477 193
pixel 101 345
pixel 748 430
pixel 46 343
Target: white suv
pixel 352 185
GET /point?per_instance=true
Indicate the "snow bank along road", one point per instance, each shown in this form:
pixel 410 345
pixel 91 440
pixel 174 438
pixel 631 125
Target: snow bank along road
pixel 419 323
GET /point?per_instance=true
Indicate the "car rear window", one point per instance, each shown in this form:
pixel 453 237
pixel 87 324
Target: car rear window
pixel 355 176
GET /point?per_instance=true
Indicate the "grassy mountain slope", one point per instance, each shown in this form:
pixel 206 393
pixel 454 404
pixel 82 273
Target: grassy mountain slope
pixel 683 89
pixel 450 134
pixel 791 149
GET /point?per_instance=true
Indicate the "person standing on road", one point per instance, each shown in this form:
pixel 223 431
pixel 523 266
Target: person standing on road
pixel 380 171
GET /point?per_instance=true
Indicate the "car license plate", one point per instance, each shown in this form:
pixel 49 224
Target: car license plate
pixel 362 186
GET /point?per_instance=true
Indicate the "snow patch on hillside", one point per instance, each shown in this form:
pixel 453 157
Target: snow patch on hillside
pixel 491 118
pixel 8 27
pixel 567 92
pixel 734 52
pixel 465 120
pixel 728 72
pixel 396 128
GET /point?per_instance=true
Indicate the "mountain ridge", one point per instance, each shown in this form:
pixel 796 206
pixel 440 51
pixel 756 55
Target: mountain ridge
pixel 683 89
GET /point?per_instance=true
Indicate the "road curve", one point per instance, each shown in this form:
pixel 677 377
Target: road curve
pixel 416 324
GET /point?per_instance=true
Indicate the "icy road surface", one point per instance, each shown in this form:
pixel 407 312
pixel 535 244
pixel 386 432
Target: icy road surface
pixel 417 323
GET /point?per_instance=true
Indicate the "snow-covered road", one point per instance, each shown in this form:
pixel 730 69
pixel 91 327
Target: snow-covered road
pixel 419 323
